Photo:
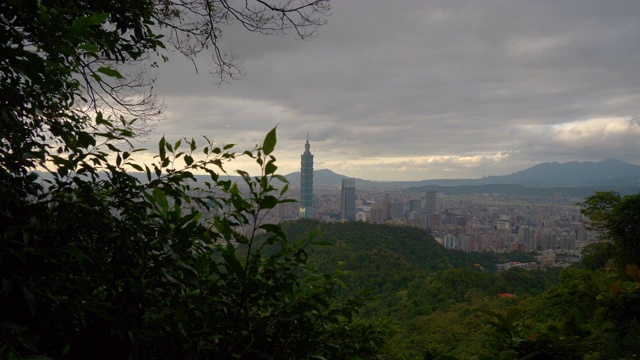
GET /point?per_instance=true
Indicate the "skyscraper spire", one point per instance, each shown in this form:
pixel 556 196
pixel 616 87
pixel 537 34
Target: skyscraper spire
pixel 306 182
pixel 307 146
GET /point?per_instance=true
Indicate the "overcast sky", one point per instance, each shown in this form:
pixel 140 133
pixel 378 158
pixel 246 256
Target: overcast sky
pixel 416 89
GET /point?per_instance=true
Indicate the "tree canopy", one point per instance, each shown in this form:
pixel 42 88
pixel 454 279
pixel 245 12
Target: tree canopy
pixel 95 263
pixel 617 218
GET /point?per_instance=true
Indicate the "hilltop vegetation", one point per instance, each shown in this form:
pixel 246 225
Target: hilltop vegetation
pixel 443 306
pixel 431 294
pixel 414 247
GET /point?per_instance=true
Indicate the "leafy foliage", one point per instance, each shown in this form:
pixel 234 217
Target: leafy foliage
pixel 432 294
pixel 593 313
pixel 97 264
pixel 152 270
pixel 597 255
pixel 617 218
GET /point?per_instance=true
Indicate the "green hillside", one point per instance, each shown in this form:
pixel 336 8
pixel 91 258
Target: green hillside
pixel 357 242
pixel 443 306
pixel 409 279
pixel 410 246
pixel 388 257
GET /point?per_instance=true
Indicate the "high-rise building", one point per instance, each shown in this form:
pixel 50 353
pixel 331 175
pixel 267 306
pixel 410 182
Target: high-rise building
pixel 524 236
pixel 415 205
pixel 397 210
pixel 386 207
pixel 449 242
pixel 306 182
pixel 281 211
pixel 430 204
pixel 375 214
pixel 348 200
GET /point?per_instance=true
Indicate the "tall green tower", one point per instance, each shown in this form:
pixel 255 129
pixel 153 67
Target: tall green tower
pixel 306 182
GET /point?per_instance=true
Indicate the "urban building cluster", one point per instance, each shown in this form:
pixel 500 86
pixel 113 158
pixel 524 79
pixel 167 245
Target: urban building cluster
pixel 474 222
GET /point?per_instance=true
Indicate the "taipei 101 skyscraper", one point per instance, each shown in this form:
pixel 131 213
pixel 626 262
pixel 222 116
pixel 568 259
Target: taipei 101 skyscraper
pixel 306 182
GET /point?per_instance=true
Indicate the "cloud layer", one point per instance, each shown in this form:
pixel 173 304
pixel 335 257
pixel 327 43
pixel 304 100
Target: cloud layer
pixel 428 89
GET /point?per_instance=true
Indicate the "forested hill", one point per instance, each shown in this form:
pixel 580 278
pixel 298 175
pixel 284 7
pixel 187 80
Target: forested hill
pixel 356 242
pixel 385 257
pixel 426 290
pixel 409 247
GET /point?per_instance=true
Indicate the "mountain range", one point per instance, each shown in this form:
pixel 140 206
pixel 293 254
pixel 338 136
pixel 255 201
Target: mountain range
pixel 609 174
pixel 571 178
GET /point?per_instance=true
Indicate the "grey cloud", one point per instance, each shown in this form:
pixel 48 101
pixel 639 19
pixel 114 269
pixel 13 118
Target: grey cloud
pixel 424 78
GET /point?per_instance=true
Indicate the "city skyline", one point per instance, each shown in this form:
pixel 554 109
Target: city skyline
pixel 439 90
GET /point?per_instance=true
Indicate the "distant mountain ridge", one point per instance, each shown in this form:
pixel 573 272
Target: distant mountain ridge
pixel 605 172
pixel 582 177
pixel 328 177
pixel 608 174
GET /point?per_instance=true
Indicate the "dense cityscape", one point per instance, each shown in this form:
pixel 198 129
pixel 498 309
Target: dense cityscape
pixel 471 223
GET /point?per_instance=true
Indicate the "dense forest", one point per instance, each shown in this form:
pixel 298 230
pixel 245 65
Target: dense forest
pixel 431 295
pixel 447 304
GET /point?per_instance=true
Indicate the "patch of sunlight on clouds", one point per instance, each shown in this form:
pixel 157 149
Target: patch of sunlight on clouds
pixel 595 129
pixel 462 160
pixel 589 132
pixel 391 167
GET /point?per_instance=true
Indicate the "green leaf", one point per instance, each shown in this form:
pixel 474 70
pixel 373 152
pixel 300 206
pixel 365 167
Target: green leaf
pixel 62 171
pixel 223 227
pixel 275 229
pixel 93 20
pixel 110 72
pixel 322 243
pixel 88 47
pixel 100 120
pixel 269 143
pixel 281 178
pixel 161 149
pixel 136 167
pixel 268 202
pixel 270 168
pixel 232 261
pixel 113 148
pixel 160 198
pixel 85 139
pixel 148 171
pixel 82 25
